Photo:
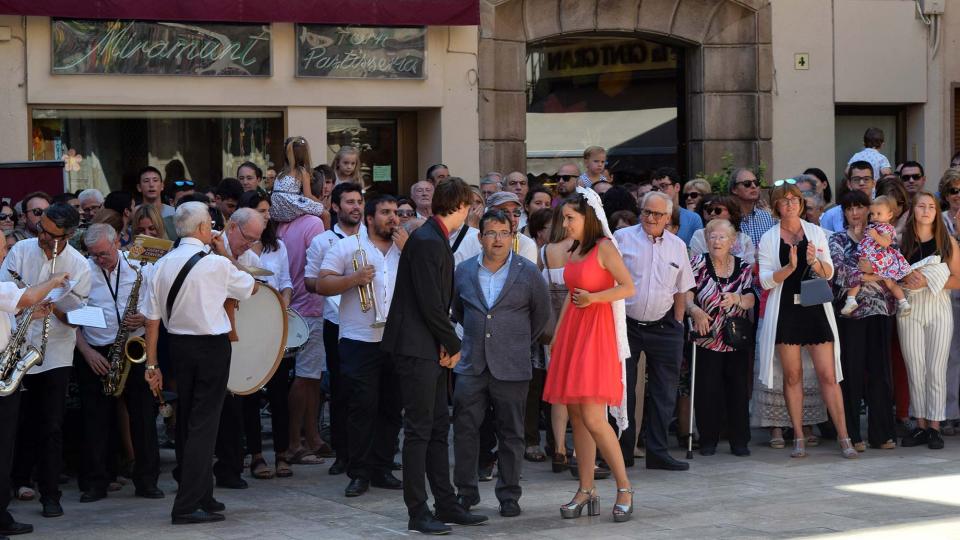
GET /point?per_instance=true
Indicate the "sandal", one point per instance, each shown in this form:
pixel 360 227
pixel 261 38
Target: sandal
pixel 534 454
pixel 778 443
pixel 260 470
pixel 799 451
pixel 324 451
pixel 283 469
pixel 304 457
pixel 24 493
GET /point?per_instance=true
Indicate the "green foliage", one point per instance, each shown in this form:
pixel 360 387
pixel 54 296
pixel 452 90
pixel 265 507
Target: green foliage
pixel 718 179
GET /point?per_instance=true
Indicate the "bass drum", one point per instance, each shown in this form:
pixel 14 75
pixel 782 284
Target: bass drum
pixel 261 326
pixel 298 332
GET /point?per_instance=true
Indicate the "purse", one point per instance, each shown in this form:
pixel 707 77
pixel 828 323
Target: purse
pixel 737 333
pixel 815 291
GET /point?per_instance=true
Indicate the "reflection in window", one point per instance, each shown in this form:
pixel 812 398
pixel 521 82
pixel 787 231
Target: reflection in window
pixel 376 139
pixel 104 149
pixel 622 94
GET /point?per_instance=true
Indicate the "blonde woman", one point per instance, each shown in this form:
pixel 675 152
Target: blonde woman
pixel 693 192
pixel 147 221
pixel 292 195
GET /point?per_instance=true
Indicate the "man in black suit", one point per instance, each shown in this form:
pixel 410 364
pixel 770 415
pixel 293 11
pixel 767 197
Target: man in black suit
pixel 422 340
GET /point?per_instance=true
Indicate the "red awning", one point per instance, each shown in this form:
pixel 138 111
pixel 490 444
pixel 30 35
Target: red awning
pixel 361 12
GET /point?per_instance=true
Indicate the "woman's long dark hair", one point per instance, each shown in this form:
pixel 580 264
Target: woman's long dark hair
pixel 911 243
pixel 592 229
pixel 268 239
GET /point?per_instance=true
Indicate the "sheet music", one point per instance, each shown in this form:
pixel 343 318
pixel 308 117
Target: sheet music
pixel 87 316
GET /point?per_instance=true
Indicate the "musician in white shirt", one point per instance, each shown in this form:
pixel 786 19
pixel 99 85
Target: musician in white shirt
pixel 12 300
pixel 112 280
pixel 368 376
pixel 199 348
pixel 40 442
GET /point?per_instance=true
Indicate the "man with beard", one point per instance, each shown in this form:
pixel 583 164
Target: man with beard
pixel 34 204
pixel 567 177
pixel 347 201
pixel 367 376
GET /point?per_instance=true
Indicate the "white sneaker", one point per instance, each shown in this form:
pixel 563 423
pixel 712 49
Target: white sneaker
pixel 850 305
pixel 903 308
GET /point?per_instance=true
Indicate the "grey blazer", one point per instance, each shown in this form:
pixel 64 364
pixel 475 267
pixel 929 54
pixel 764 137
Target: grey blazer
pixel 498 337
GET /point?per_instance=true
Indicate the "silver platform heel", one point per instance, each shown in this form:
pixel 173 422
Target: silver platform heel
pixel 573 509
pixel 623 512
pixel 847 449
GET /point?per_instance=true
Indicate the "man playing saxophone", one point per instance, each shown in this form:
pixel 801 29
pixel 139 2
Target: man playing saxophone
pixel 40 441
pixel 12 300
pixel 113 279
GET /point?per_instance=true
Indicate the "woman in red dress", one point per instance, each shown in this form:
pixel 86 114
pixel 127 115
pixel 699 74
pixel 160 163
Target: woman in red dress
pixel 585 368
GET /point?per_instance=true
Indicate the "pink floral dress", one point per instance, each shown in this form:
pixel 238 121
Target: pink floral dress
pixel 887 262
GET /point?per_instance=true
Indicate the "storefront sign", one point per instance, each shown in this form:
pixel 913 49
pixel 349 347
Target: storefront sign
pixel 604 57
pixel 360 52
pixel 159 48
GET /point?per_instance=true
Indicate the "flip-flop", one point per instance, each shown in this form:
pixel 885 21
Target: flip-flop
pixel 283 469
pixel 304 457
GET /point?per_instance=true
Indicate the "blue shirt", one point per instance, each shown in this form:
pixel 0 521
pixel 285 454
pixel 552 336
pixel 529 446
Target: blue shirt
pixel 690 223
pixel 832 219
pixel 756 223
pixel 491 283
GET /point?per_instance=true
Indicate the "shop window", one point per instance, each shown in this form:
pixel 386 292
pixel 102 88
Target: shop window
pixel 622 94
pixel 104 149
pixel 377 141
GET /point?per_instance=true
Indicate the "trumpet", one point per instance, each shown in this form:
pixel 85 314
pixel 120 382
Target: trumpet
pixel 368 295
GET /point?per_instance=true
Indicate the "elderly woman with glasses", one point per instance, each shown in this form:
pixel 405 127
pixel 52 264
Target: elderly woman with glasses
pixel 723 207
pixel 789 253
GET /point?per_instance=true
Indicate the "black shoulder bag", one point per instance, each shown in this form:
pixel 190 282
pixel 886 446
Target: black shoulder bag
pixel 736 332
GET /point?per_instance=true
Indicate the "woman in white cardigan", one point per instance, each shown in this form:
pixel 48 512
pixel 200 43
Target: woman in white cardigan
pixel 786 252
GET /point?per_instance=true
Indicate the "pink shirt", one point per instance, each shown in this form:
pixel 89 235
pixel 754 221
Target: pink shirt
pixel 297 236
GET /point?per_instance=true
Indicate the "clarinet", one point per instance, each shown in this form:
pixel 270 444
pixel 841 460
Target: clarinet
pixel 46 320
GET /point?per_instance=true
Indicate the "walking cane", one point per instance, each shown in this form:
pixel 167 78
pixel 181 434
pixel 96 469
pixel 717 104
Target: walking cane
pixel 693 388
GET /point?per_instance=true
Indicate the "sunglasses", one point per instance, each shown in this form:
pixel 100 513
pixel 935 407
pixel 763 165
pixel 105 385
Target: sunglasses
pixel 6 217
pixel 37 212
pixel 406 213
pixel 748 183
pixel 950 191
pixel 779 183
pixel 691 195
pixel 650 213
pixel 565 177
pixel 910 177
pixel 181 183
pixel 516 212
pixel 714 210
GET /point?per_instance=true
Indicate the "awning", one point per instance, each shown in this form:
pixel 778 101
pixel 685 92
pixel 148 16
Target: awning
pixel 360 12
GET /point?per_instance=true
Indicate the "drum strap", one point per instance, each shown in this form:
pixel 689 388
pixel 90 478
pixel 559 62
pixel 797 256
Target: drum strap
pixel 177 283
pixel 460 236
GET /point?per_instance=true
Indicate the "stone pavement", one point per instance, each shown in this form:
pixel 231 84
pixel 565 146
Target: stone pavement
pixel 902 493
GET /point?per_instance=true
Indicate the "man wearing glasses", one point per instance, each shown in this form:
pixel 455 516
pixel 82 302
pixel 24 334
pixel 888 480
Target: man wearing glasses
pixel 91 201
pixel 510 205
pixel 567 179
pixel 40 442
pixel 34 205
pixel 743 185
pixel 859 178
pixel 911 173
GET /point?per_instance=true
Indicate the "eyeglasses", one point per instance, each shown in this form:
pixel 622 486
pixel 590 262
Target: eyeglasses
pixel 747 183
pixel 498 235
pixel 92 208
pixel 98 256
pixel 714 210
pixel 37 212
pixel 6 217
pixel 247 238
pixel 181 183
pixel 650 213
pixel 406 213
pixel 516 212
pixel 779 183
pixel 661 186
pixel 565 177
pixel 862 180
pixel 910 177
pixel 789 201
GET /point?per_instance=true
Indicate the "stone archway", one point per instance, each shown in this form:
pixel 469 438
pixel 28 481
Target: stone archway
pixel 729 73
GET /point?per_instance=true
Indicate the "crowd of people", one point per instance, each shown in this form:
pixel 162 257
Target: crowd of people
pixel 607 306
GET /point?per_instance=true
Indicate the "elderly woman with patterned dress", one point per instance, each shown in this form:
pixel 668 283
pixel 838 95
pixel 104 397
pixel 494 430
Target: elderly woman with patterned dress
pixel 724 290
pixel 865 334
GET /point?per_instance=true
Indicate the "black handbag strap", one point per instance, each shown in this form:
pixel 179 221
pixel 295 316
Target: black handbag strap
pixel 460 236
pixel 177 283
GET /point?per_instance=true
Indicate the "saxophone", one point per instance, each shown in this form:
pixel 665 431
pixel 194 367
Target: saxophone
pixel 14 363
pixel 125 349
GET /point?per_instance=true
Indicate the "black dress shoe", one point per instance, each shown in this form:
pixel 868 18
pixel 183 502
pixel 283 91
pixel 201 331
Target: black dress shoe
pixel 934 439
pixel 212 506
pixel 151 492
pixel 708 450
pixel 386 481
pixel 339 467
pixel 198 516
pixel 427 524
pixel 232 483
pixel 468 502
pixel 13 528
pixel 51 508
pixel 509 508
pixel 740 451
pixel 93 495
pixel 458 516
pixel 357 487
pixel 666 463
pixel 917 437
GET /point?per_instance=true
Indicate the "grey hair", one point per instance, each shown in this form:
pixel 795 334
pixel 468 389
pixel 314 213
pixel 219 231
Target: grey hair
pixel 813 197
pixel 99 231
pixel 734 174
pixel 505 179
pixel 93 194
pixel 660 195
pixel 716 223
pixel 242 216
pixel 489 179
pixel 189 216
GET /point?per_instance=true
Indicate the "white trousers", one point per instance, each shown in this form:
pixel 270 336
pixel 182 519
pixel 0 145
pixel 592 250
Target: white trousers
pixel 925 337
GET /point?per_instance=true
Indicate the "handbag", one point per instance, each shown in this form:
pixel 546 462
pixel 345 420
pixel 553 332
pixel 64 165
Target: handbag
pixel 815 291
pixel 737 333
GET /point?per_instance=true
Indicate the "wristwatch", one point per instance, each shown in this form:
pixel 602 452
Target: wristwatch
pixel 152 368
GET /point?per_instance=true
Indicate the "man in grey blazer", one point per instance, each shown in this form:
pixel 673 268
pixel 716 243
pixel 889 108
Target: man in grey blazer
pixel 502 302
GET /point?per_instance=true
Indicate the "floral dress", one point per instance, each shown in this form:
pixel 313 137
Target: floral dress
pixel 287 201
pixel 887 262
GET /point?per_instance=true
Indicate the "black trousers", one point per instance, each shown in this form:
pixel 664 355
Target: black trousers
pixel 338 394
pixel 9 411
pixel 40 442
pixel 203 366
pixel 277 389
pixel 531 419
pixel 426 424
pixel 663 345
pixel 865 359
pixel 229 445
pixel 472 397
pixel 721 392
pixel 100 430
pixel 373 407
pixel 487 434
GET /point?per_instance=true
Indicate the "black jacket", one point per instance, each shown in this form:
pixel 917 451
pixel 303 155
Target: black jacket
pixel 419 318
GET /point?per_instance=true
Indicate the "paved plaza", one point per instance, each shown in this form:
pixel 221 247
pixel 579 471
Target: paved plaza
pixel 902 493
